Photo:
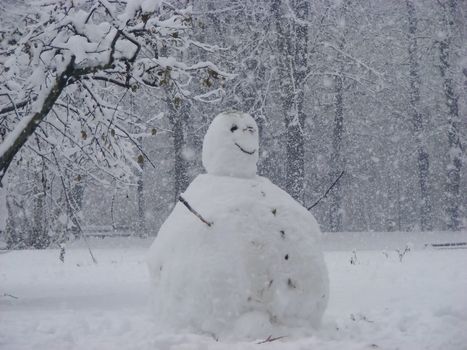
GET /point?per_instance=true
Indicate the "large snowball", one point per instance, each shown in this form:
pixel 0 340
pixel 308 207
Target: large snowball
pixel 258 270
pixel 231 147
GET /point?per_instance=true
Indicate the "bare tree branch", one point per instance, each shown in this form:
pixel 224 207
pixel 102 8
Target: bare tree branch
pixel 72 210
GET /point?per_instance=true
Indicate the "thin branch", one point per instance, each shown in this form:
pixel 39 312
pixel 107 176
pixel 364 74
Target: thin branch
pixel 136 144
pixel 198 215
pixel 14 106
pixel 76 220
pixel 12 102
pixel 108 80
pixel 328 190
pixel 361 63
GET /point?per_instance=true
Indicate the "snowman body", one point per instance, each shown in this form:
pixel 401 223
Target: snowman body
pixel 257 269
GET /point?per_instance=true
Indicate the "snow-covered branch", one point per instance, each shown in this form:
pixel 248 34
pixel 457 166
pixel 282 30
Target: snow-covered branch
pixel 100 42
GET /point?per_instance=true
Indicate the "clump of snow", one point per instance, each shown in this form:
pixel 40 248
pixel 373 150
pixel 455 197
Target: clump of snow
pixel 79 46
pixel 188 153
pixel 146 6
pixel 258 268
pixel 231 146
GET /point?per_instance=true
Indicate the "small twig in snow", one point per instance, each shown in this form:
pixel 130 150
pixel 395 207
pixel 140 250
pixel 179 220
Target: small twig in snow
pixel 10 295
pixel 403 252
pixel 271 339
pixel 360 317
pixel 353 258
pixel 62 252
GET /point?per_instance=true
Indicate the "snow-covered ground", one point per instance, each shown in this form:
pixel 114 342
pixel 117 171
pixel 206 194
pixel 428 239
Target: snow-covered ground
pixel 376 302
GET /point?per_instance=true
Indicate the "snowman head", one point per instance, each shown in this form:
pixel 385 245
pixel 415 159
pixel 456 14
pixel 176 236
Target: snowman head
pixel 231 147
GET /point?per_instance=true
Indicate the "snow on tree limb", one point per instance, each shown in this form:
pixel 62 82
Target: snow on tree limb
pixel 26 127
pixel 69 42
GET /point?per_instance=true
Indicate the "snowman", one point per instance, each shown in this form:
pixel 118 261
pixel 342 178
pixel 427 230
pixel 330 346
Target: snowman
pixel 237 257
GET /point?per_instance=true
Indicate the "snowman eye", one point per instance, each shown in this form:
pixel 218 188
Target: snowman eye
pixel 233 128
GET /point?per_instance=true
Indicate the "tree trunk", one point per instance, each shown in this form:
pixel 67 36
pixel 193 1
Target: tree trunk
pixel 336 156
pixel 3 192
pixel 292 44
pixel 179 110
pixel 39 238
pixel 423 161
pixel 141 205
pixel 76 194
pixel 454 153
pixel 337 159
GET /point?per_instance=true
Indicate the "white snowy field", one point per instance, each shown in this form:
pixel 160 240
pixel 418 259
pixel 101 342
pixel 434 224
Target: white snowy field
pixel 376 302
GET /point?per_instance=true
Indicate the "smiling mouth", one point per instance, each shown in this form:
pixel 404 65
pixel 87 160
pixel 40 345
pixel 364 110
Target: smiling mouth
pixel 244 150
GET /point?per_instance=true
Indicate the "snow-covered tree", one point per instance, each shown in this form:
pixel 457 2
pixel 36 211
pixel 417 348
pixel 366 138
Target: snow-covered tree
pixel 67 74
pixel 70 45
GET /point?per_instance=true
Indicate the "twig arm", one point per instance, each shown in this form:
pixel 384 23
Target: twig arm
pixel 198 215
pixel 328 190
